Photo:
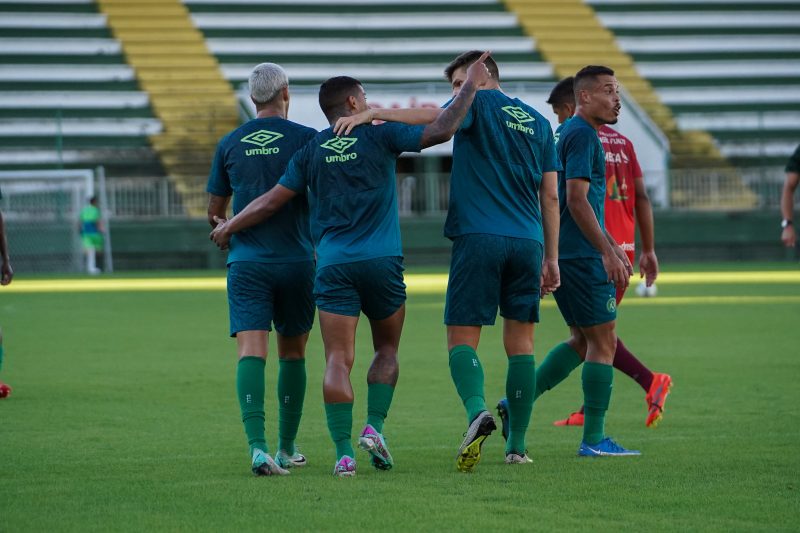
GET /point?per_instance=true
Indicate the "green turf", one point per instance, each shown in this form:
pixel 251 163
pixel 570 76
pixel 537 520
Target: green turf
pixel 124 417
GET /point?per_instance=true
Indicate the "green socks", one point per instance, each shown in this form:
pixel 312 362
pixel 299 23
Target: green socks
pixel 291 393
pixel 379 398
pixel 556 367
pixel 467 374
pixel 250 389
pixel 340 424
pixel 1 357
pixel 597 380
pixel 520 387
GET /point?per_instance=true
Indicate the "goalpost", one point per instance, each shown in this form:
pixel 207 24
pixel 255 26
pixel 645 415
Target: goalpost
pixel 41 210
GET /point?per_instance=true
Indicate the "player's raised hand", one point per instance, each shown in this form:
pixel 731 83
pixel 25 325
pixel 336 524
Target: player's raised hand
pixel 220 235
pixel 648 267
pixel 477 72
pixel 551 277
pixel 345 125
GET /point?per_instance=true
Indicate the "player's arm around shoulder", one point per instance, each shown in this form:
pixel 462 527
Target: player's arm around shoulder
pixel 411 116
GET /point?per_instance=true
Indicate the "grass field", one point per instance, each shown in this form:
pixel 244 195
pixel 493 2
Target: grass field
pixel 124 417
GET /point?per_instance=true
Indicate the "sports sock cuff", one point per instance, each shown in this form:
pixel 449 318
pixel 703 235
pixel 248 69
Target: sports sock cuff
pixel 521 359
pixel 461 348
pixel 291 362
pixel 252 359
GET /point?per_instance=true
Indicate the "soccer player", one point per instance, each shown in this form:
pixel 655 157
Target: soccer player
pixel 505 251
pixel 626 200
pixel 270 266
pixel 91 228
pixel 6 275
pixel 505 247
pixel 350 182
pixel 592 266
pixel 788 235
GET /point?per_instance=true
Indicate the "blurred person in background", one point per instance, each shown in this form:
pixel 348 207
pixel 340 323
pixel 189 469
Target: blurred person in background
pixel 91 228
pixel 6 275
pixel 789 235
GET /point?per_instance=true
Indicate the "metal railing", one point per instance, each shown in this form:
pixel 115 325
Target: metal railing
pixel 425 194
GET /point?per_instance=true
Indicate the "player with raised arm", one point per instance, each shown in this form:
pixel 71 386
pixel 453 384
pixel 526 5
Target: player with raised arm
pixel 503 221
pixel 270 267
pixel 350 182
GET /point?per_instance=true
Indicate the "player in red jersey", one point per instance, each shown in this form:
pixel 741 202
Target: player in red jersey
pixel 626 205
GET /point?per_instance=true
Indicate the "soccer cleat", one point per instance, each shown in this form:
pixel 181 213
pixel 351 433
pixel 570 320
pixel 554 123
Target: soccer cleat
pixel 373 443
pixel 656 398
pixel 264 465
pixel 285 460
pixel 574 419
pixel 605 448
pixel 469 453
pixel 345 467
pixel 502 412
pixel 5 390
pixel 516 458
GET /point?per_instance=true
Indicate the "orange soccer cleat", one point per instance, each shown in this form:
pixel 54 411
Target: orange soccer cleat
pixel 574 419
pixel 656 398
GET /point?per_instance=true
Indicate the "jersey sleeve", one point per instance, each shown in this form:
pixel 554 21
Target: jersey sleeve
pixel 579 153
pixel 296 177
pixel 219 183
pixel 550 162
pixel 399 138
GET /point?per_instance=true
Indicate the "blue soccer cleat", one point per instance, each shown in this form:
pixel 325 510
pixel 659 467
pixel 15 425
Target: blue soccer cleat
pixel 605 448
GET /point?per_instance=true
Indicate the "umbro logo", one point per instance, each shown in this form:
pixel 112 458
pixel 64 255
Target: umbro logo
pixel 518 113
pixel 261 137
pixel 339 144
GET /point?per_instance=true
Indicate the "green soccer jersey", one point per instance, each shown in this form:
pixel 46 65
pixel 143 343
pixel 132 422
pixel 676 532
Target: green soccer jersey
pixel 352 191
pixel 500 152
pixel 582 157
pixel 248 162
pixel 89 217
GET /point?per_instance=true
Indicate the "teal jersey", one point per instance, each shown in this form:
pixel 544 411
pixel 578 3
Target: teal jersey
pixel 560 127
pixel 89 216
pixel 248 162
pixel 352 190
pixel 582 157
pixel 793 165
pixel 499 154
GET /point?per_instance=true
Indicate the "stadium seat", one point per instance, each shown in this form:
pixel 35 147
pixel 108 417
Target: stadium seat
pixel 67 97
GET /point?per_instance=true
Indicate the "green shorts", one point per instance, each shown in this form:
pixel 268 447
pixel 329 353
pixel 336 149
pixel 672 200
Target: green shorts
pixel 260 294
pixel 374 286
pixel 92 241
pixel 491 271
pixel 585 297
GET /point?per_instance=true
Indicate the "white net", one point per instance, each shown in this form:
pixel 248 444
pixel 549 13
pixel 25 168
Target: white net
pixel 41 210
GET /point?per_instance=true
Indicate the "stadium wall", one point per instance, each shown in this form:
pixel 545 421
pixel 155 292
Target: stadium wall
pixel 680 237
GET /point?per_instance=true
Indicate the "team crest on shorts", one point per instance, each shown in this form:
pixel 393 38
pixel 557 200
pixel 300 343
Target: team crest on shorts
pixel 611 304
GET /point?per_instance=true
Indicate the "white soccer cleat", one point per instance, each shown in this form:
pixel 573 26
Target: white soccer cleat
pixel 264 465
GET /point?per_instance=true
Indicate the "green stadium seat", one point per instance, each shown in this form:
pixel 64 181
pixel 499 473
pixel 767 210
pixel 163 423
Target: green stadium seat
pixel 730 67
